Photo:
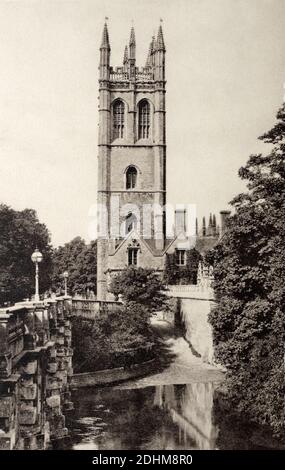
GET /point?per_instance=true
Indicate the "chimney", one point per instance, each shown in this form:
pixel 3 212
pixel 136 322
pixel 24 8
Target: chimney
pixel 180 221
pixel 224 219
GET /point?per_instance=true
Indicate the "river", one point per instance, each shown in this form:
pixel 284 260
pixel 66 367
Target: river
pixel 169 410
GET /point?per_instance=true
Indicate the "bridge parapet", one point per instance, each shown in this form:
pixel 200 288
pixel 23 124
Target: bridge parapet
pixel 90 308
pixel 191 291
pixel 36 368
pixel 35 372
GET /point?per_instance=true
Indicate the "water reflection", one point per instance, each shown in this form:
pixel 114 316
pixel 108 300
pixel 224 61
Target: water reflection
pixel 191 409
pixel 163 417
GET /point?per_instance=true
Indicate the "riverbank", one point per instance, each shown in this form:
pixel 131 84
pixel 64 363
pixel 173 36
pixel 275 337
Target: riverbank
pixel 182 365
pixel 175 363
pixel 111 376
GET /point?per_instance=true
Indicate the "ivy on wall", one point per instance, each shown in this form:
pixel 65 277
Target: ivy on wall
pixel 187 274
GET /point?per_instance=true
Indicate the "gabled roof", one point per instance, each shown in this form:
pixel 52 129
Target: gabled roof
pixel 201 244
pixel 133 234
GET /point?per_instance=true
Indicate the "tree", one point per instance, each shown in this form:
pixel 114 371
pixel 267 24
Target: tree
pixel 121 337
pixel 171 270
pixel 141 286
pixel 80 260
pixel 20 233
pixel 192 263
pixel 249 270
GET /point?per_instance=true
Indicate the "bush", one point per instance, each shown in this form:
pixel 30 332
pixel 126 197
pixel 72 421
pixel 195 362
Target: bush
pixel 114 339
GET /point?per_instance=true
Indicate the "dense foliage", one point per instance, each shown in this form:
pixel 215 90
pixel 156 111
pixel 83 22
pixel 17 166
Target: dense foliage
pixel 174 274
pixel 79 259
pixel 122 337
pixel 249 269
pixel 20 233
pixel 142 286
pixel 114 339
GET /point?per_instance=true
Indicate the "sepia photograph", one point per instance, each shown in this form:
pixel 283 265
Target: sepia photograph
pixel 142 231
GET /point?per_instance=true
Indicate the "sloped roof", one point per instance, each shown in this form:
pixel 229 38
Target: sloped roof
pixel 204 244
pixel 201 244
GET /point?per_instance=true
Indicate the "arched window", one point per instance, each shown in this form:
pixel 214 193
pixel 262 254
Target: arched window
pixel 144 119
pixel 118 119
pixel 133 256
pixel 131 177
pixel 131 223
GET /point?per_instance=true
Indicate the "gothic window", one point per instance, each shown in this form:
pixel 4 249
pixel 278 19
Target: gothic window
pixel 181 257
pixel 131 177
pixel 131 222
pixel 133 256
pixel 118 119
pixel 144 119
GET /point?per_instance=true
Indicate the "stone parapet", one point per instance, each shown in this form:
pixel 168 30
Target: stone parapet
pixel 35 373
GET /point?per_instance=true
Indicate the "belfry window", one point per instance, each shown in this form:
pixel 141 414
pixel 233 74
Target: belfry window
pixel 118 119
pixel 131 177
pixel 144 119
pixel 133 256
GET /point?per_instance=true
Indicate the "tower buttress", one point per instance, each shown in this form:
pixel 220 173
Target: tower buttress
pixel 159 123
pixel 104 137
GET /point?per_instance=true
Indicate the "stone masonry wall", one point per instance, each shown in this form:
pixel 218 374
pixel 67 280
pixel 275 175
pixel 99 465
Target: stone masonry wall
pixel 35 373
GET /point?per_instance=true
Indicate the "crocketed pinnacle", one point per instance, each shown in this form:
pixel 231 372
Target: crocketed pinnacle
pixel 150 52
pixel 105 38
pixel 126 56
pixel 132 37
pixel 160 41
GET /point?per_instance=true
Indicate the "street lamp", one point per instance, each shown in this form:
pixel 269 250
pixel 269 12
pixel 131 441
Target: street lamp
pixel 37 258
pixel 65 275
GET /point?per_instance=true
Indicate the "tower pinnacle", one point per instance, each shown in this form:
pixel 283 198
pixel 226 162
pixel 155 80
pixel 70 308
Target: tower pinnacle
pixel 105 44
pixel 132 57
pixel 149 60
pixel 132 37
pixel 160 41
pixel 126 56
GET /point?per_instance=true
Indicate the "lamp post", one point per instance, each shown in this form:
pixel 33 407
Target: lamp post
pixel 37 258
pixel 65 275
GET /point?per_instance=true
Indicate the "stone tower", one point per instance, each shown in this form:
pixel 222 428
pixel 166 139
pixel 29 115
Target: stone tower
pixel 131 156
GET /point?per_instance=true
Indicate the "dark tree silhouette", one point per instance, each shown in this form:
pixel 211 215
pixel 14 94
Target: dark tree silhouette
pixel 249 269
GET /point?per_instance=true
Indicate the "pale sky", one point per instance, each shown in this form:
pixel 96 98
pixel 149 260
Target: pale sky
pixel 225 75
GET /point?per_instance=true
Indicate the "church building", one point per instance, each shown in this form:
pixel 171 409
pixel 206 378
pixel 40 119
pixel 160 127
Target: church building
pixel 132 166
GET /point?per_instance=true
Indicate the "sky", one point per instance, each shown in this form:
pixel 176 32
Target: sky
pixel 225 71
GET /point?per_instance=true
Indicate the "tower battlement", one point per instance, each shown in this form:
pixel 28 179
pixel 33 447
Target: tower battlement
pixel 154 69
pixel 119 74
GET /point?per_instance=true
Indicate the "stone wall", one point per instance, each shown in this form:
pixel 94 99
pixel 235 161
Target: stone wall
pixel 194 303
pixel 35 373
pixel 109 376
pixel 194 314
